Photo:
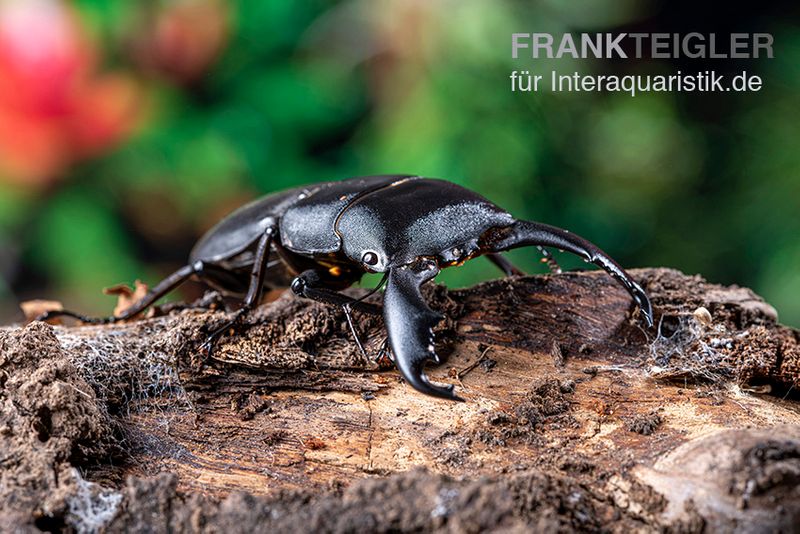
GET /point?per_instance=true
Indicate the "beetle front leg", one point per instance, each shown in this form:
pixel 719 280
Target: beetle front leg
pixel 409 323
pixel 310 284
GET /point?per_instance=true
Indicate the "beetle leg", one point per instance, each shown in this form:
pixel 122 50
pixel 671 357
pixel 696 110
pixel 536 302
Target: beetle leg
pixel 348 315
pixel 508 268
pixel 309 284
pixel 254 289
pixel 551 262
pixel 162 288
pixel 409 323
pixel 525 233
pixel 384 352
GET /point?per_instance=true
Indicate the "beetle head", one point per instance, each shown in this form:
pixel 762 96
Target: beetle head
pixel 366 240
pixel 416 219
pixel 382 241
pixel 379 240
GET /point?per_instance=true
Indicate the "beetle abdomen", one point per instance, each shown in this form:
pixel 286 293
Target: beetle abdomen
pixel 233 234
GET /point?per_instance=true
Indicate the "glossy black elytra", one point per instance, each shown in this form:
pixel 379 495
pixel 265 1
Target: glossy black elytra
pixel 326 236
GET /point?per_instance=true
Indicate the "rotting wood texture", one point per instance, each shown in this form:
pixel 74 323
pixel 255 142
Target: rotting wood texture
pixel 576 417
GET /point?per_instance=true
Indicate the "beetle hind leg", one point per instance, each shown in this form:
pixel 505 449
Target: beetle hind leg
pixel 526 233
pixel 509 269
pixel 162 288
pixel 505 265
pixel 52 314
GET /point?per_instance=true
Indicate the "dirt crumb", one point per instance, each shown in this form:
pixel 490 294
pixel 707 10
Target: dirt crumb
pixel 545 399
pixel 488 364
pixel 644 424
pixel 544 405
pixel 275 437
pixel 451 448
pixel 314 443
pixel 253 405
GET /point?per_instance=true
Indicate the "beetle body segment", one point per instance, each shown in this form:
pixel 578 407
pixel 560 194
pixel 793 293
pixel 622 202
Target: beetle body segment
pixel 242 228
pixel 322 238
pixel 400 226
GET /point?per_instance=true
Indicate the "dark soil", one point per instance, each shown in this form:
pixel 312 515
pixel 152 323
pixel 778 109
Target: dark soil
pixel 416 501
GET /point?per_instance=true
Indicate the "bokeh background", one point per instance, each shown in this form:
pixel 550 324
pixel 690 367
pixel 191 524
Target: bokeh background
pixel 128 128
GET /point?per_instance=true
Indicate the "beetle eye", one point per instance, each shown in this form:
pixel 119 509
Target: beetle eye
pixel 370 258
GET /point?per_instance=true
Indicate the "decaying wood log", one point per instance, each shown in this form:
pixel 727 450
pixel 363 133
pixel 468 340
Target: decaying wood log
pixel 576 417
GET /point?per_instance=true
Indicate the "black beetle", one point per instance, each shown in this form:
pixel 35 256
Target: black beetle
pixel 326 236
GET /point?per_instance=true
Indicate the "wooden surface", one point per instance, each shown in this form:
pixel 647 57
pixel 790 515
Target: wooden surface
pixel 558 374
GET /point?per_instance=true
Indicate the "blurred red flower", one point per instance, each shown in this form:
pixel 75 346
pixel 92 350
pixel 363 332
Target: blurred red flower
pixel 55 108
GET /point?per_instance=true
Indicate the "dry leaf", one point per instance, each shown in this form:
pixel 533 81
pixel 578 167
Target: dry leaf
pixel 272 295
pixel 34 308
pixel 703 316
pixel 126 297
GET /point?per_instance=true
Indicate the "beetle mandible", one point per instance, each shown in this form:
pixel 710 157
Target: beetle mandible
pixel 325 237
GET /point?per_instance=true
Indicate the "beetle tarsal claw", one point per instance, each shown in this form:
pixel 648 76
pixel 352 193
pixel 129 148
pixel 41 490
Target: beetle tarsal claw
pixel 409 323
pixel 227 327
pixel 645 307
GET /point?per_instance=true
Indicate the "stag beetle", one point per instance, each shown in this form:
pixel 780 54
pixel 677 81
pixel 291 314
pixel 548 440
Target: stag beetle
pixel 326 236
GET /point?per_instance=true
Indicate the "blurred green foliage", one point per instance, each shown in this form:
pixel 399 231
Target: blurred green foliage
pixel 299 92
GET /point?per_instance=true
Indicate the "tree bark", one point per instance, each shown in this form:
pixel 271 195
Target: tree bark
pixel 576 416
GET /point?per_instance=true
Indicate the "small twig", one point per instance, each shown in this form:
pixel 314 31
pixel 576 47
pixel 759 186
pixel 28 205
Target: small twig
pixel 80 391
pixel 468 369
pixel 558 355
